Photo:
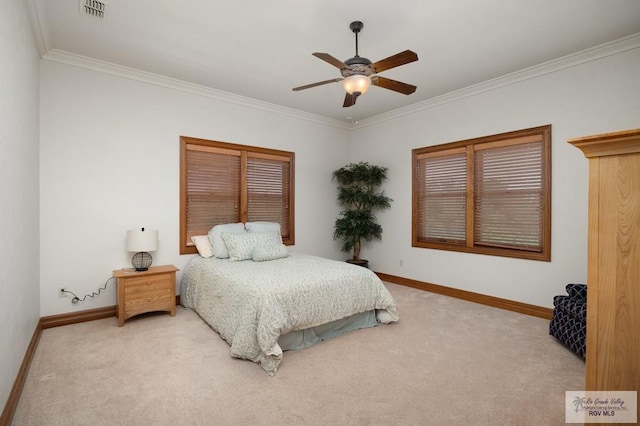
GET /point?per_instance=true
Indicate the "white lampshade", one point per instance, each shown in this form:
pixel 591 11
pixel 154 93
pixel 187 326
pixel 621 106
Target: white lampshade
pixel 142 240
pixel 356 83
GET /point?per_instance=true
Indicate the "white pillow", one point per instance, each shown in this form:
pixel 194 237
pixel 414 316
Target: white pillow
pixel 271 252
pixel 203 245
pixel 262 226
pixel 215 237
pixel 240 246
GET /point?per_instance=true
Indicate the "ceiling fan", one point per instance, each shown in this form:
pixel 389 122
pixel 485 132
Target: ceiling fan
pixel 358 73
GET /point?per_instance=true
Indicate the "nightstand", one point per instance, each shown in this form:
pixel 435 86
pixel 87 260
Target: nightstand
pixel 145 291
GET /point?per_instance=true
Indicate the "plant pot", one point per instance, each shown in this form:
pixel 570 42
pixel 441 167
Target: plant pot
pixel 360 262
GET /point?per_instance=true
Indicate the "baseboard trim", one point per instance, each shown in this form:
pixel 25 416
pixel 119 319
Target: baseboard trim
pixel 496 302
pixel 77 317
pixel 14 396
pixel 82 316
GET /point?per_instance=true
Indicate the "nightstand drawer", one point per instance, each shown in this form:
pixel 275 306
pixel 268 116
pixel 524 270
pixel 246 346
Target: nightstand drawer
pixel 147 284
pixel 151 301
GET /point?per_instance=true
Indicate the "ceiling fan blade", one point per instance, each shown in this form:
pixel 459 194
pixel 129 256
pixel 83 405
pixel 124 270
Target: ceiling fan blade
pixel 349 100
pixel 320 83
pixel 395 61
pixel 396 86
pixel 330 59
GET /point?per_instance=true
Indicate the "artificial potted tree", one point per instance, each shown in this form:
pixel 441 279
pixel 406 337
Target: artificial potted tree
pixel 359 192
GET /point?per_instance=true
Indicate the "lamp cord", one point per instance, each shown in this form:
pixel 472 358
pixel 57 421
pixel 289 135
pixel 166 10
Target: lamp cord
pixel 77 300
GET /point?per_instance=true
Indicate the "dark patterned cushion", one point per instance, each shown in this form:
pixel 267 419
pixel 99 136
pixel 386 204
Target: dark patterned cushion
pixel 569 331
pixel 576 291
pixel 569 321
pixel 577 308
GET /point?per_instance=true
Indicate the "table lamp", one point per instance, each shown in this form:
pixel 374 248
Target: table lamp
pixel 142 242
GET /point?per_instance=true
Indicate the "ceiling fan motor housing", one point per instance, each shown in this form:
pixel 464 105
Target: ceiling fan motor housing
pixel 357 65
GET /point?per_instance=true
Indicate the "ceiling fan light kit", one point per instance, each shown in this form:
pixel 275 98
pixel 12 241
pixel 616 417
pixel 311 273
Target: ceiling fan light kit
pixel 356 84
pixel 358 73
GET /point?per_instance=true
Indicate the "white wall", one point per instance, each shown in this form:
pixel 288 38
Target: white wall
pixel 110 162
pixel 595 97
pixel 19 262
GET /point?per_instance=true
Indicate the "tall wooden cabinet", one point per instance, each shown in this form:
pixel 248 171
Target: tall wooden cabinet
pixel 613 296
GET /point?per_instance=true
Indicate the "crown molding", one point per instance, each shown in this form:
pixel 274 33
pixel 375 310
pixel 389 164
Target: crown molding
pixel 64 57
pixel 555 65
pixel 588 55
pixel 39 27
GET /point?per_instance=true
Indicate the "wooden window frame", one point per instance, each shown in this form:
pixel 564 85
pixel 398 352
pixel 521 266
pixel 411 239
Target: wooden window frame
pixel 245 152
pixel 542 253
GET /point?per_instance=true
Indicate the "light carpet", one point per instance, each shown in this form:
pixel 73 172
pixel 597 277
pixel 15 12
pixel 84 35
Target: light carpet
pixel 446 362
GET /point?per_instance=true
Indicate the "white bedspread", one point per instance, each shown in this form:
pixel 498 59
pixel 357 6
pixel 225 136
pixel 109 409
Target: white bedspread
pixel 250 304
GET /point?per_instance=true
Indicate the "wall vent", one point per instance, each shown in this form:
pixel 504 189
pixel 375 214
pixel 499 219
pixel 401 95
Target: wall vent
pixel 93 7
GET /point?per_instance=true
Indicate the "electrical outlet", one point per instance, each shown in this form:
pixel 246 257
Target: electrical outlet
pixel 61 292
pixel 401 263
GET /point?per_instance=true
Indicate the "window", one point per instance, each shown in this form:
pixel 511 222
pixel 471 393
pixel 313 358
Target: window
pixel 489 195
pixel 227 183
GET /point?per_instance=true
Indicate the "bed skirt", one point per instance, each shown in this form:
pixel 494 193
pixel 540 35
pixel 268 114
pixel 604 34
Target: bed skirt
pixel 300 339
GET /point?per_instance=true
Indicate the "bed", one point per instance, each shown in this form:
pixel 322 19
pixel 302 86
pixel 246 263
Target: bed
pixel 261 308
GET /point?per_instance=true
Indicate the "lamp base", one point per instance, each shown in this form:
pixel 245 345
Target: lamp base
pixel 141 261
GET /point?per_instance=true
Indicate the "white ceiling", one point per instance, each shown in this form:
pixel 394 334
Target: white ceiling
pixel 261 49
